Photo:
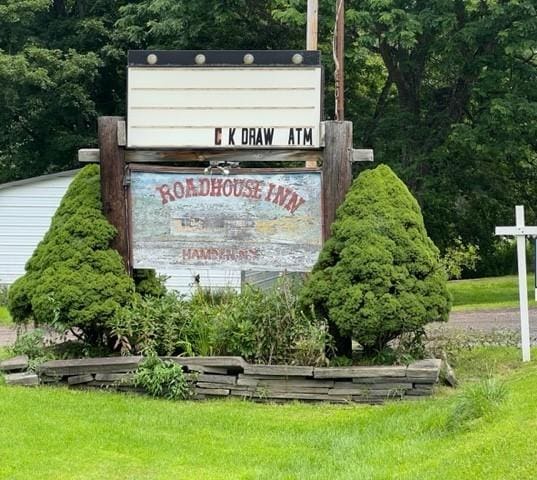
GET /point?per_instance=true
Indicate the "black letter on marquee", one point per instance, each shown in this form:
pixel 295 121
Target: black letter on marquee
pixel 291 140
pixel 308 136
pixel 218 136
pixel 231 135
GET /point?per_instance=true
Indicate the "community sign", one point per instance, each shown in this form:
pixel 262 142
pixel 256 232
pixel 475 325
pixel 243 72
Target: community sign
pixel 224 99
pixel 265 220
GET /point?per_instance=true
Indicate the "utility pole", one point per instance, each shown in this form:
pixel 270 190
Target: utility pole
pixel 311 35
pixel 338 46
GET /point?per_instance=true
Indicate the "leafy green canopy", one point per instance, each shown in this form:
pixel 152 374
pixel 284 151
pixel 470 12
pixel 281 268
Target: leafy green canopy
pixel 379 274
pixel 74 279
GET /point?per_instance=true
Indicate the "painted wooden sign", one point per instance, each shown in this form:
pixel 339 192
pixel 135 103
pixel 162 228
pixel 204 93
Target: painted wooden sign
pixel 224 99
pixel 247 220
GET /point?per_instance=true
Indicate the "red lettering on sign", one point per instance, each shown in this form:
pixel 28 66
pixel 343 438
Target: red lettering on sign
pixel 190 188
pixel 179 190
pixel 205 187
pixel 219 254
pixel 294 202
pixel 216 187
pixel 280 195
pixel 227 189
pixel 165 194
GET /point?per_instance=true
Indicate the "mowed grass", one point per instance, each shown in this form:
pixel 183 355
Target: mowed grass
pixel 5 318
pixel 53 433
pixel 483 293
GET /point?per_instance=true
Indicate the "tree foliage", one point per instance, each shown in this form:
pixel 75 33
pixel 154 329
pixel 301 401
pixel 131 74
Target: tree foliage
pixel 74 279
pixel 379 274
pixel 443 91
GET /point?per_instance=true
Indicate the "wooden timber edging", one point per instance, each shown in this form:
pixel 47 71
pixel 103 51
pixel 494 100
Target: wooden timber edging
pixel 217 377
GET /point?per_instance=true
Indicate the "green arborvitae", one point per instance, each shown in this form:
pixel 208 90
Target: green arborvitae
pixel 74 278
pixel 379 274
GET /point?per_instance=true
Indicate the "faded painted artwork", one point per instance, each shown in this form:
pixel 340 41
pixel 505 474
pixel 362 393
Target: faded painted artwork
pixel 262 221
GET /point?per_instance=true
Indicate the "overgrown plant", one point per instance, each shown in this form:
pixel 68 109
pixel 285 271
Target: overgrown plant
pixel 162 378
pixel 34 345
pixel 3 295
pixel 378 275
pixel 477 401
pixel 460 257
pixel 153 326
pixel 263 327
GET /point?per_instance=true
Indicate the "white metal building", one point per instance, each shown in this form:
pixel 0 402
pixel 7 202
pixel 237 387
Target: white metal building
pixel 26 210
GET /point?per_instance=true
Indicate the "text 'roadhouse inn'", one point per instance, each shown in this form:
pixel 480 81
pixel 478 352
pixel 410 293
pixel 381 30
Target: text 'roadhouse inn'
pixel 280 195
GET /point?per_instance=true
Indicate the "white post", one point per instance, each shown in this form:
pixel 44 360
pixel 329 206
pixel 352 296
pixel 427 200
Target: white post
pixel 535 270
pixel 522 286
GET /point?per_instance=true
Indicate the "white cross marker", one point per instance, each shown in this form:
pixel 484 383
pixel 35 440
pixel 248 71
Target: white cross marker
pixel 520 231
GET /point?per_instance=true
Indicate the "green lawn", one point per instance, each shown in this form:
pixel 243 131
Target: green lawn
pixel 60 434
pixel 496 292
pixel 5 318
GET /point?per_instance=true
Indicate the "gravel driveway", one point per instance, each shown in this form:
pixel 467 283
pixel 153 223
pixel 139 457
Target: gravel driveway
pixel 485 320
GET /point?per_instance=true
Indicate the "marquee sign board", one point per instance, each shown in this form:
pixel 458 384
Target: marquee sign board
pixel 267 220
pixel 224 99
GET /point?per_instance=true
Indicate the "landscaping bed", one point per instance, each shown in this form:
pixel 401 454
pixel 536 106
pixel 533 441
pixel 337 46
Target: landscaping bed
pixel 216 377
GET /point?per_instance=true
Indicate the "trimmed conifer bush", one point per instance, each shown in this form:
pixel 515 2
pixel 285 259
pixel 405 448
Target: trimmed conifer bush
pixel 379 274
pixel 74 278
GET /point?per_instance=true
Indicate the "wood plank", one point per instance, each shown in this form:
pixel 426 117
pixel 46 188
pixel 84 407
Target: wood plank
pixel 92 155
pixel 280 370
pixel 89 155
pixel 233 363
pixel 425 380
pixel 371 380
pixel 247 381
pixel 205 369
pixel 300 396
pixel 112 377
pixel 15 363
pixel 427 369
pixel 347 391
pixel 89 365
pixel 78 379
pixel 113 193
pixel 292 389
pixel 25 378
pixel 296 382
pixel 359 372
pixel 385 386
pixel 121 133
pixel 222 379
pixel 222 392
pixel 50 379
pixel 421 392
pixel 272 377
pixel 362 155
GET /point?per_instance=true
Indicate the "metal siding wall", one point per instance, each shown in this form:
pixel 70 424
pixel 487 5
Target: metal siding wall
pixel 25 214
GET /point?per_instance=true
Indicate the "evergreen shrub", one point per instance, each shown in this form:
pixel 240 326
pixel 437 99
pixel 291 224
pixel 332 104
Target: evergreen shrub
pixel 379 274
pixel 74 280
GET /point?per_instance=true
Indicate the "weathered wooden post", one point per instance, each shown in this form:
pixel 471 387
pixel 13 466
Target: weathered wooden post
pixel 112 161
pixel 337 170
pixel 337 179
